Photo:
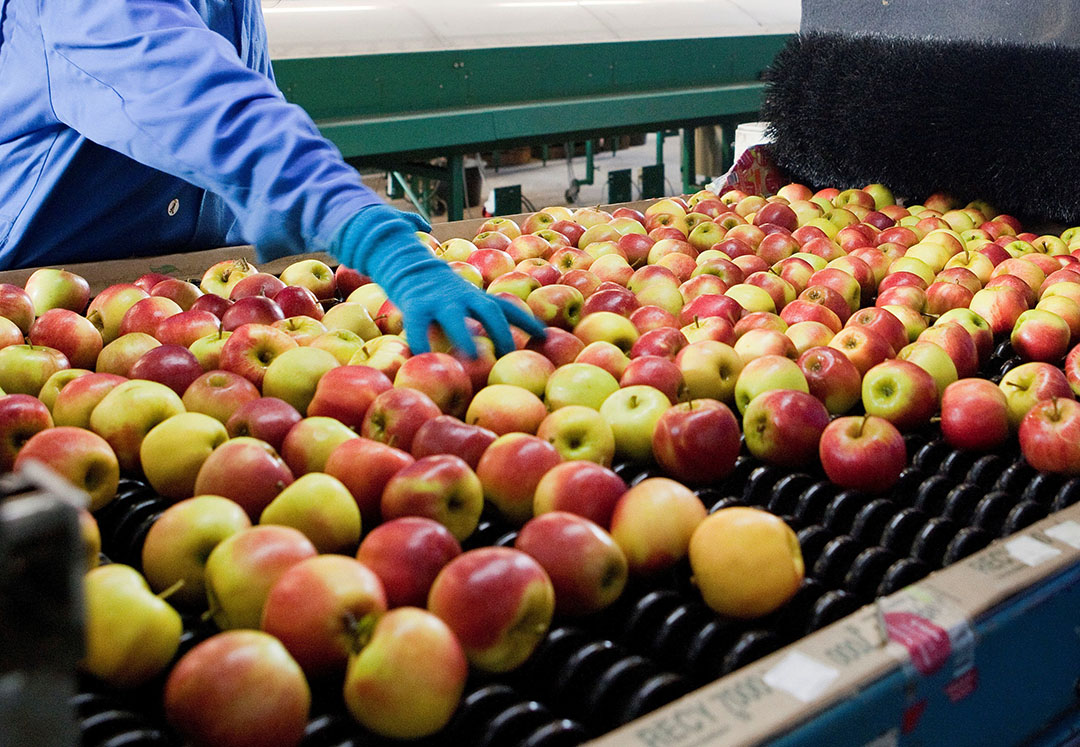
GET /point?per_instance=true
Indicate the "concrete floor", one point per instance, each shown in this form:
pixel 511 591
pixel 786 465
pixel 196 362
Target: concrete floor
pixel 545 185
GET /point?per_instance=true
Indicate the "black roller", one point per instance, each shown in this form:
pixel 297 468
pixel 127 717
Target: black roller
pixel 1015 478
pixel 932 540
pixel 900 531
pixel 961 502
pixel 867 572
pixel 841 511
pixel 930 497
pixel 1042 488
pixel 992 509
pixel 870 521
pixel 832 606
pixel 903 572
pixel 812 541
pixel 1067 495
pixel 967 541
pixel 750 647
pixel 786 491
pixel 986 470
pixel 1023 514
pixel 811 506
pixel 835 561
pixel 759 485
pixel 930 456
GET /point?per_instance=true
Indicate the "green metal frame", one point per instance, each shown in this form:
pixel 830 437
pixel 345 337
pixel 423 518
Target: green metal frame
pixel 391 108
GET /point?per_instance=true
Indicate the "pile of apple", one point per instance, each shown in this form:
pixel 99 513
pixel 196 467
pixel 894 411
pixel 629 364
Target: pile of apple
pixel 324 478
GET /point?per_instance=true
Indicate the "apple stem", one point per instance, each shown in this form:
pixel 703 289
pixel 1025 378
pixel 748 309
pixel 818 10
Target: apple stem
pixel 862 424
pixel 359 630
pixel 171 590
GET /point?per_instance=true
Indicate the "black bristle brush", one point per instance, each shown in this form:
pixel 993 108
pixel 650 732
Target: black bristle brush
pixel 996 121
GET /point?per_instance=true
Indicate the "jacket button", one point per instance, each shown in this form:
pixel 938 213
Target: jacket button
pixel 174 207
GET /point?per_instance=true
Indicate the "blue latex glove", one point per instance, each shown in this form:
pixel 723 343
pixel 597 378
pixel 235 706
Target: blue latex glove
pixel 381 242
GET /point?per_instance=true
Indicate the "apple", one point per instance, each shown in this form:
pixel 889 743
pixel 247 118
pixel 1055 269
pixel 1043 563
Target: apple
pixel 510 469
pixel 295 300
pixel 975 325
pixel 251 310
pixel 933 359
pixel 583 488
pixel 632 412
pixel 50 288
pixel 365 467
pixel 346 393
pixel 174 366
pixel 587 569
pixel 128 412
pixel 309 443
pixel 219 394
pixel 883 322
pixel 66 331
pixel 829 298
pixel 186 327
pixel 304 330
pixel 657 372
pixel 974 415
pixel 24 369
pixel 312 274
pixel 1050 436
pixel 1032 382
pixel 505 408
pixel 746 562
pixel 863 346
pixel 294 375
pixel 407 680
pixel 865 453
pixel 121 354
pixel 901 392
pixel 76 400
pixel 710 370
pixel 652 524
pixel 322 508
pixel 783 426
pixel 697 442
pixel 207 350
pixel 579 384
pixel 252 348
pixel 174 450
pixel 498 602
pixel 259 284
pixel 407 554
pixel 711 305
pixel 557 305
pixel 245 470
pixel 831 377
pixel 665 342
pixel 579 432
pixel 131 635
pixel 207 692
pixel 183 293
pixel 395 415
pixel 441 487
pixel 802 310
pixel 1000 306
pixel 523 368
pixel 181 539
pixel 649 317
pixel 214 304
pixel 146 314
pixel 766 373
pixel 446 434
pixel 10 334
pixel 81 457
pixel 266 418
pixel 52 387
pixel 441 377
pixel 1040 335
pixel 17 306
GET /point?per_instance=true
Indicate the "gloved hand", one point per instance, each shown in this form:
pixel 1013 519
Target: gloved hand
pixel 381 243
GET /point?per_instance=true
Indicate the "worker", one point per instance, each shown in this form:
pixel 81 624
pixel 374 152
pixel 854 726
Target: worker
pixel 141 127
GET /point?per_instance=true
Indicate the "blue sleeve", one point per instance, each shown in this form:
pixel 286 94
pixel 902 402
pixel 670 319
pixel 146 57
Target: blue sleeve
pixel 147 78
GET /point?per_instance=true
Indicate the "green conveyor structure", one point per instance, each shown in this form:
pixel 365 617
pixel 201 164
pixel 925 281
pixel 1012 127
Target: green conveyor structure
pixel 399 111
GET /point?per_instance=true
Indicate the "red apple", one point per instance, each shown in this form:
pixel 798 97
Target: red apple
pixel 697 442
pixel 1050 436
pixel 866 453
pixel 245 470
pixel 831 377
pixel 267 418
pixel 974 415
pixel 21 417
pixel 171 365
pixel 783 426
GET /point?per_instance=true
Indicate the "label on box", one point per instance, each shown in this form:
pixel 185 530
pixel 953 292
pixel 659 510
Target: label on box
pixel 1031 551
pixel 1067 532
pixel 801 676
pixel 927 643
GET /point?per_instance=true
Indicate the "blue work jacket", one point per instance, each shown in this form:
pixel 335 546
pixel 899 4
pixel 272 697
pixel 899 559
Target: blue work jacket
pixel 142 127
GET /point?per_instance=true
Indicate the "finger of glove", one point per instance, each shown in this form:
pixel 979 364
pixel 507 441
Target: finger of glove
pixel 452 320
pixel 417 221
pixel 416 330
pixel 522 319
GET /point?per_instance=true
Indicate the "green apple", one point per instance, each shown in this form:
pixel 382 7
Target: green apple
pixel 933 359
pixel 632 412
pixel 579 433
pixel 579 384
pixel 352 316
pixel 766 373
pixel 131 635
pixel 710 370
pixel 128 412
pixel 322 508
pixel 181 539
pixel 50 390
pixel 294 375
pixel 174 450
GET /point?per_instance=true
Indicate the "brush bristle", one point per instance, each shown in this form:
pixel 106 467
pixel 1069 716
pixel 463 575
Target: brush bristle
pixel 992 121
